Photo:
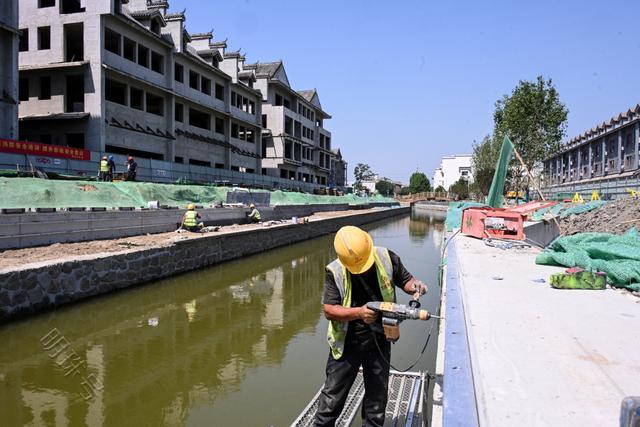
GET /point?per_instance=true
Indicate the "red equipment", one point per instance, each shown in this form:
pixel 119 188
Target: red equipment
pixel 494 223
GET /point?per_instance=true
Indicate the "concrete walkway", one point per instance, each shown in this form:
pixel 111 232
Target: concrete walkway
pixel 541 356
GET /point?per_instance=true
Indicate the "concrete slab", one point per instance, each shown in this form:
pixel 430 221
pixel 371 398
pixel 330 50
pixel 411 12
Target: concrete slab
pixel 541 356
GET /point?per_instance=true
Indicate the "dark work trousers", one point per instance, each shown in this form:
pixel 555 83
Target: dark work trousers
pixel 359 350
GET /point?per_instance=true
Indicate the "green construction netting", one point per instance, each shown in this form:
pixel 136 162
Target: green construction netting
pixel 497 185
pixel 616 255
pixel 454 213
pixel 40 193
pixel 563 210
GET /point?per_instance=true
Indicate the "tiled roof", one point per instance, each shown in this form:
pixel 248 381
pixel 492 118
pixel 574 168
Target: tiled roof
pixel 307 94
pixel 264 69
pixel 199 36
pixel 175 16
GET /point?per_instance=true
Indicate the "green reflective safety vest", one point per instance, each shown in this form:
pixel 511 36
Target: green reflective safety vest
pixel 337 331
pixel 255 214
pixel 190 219
pixel 104 166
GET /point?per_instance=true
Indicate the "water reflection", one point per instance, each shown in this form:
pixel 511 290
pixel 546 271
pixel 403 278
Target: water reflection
pixel 239 344
pixel 160 350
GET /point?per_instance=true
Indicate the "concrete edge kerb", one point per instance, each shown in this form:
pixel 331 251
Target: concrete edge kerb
pixel 40 287
pixel 459 403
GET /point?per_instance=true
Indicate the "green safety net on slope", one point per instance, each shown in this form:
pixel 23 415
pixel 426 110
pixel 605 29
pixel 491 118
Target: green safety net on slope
pixel 616 255
pixel 497 184
pixel 40 193
pixel 563 210
pixel 454 213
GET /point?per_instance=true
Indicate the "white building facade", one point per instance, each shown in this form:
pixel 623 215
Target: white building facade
pixel 451 169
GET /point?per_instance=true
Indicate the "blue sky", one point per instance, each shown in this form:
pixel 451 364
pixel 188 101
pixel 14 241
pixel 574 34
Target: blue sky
pixel 410 81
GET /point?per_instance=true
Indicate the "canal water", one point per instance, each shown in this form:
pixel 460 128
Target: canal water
pixel 239 344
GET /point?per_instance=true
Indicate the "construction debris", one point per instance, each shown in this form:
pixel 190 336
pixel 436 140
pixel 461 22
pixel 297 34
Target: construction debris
pixel 613 217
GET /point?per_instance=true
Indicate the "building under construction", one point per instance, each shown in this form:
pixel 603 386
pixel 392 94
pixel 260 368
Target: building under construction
pixel 604 159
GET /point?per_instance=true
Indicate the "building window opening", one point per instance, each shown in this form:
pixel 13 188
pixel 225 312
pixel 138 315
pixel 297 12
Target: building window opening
pixel 75 140
pixel 143 56
pixel 219 92
pixel 136 97
pixel 157 62
pixel 112 41
pixel 70 6
pixel 219 166
pixel 115 92
pixel 23 89
pixel 178 72
pixel 44 38
pixel 205 86
pixel 199 163
pixel 129 49
pixel 46 3
pixel 235 168
pixel 178 159
pixel 75 94
pixel 250 135
pixel 234 130
pixel 23 44
pixel 278 100
pixel 155 104
pixel 155 27
pixel 194 78
pixel 179 113
pixel 74 42
pixel 288 150
pixel 288 126
pixel 199 119
pixel 45 87
pixel 264 121
pixel 219 125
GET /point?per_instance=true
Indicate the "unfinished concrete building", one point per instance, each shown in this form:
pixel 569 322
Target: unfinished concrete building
pixel 604 158
pixel 338 172
pixel 125 77
pixel 9 69
pixel 295 144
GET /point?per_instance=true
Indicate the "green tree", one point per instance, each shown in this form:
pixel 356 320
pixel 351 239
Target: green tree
pixel 419 183
pixel 483 160
pixel 460 188
pixel 535 120
pixel 404 191
pixel 440 189
pixel 385 187
pixel 362 172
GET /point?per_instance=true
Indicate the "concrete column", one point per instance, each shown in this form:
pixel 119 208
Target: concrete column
pixel 579 163
pixel 590 168
pixel 170 151
pixel 636 150
pixel 603 157
pixel 620 152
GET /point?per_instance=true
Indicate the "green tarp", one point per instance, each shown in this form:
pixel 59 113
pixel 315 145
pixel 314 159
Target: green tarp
pixel 563 210
pixel 497 185
pixel 616 255
pixel 454 213
pixel 42 193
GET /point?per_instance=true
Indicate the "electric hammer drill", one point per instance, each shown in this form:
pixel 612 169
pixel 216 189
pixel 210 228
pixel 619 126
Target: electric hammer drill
pixel 393 314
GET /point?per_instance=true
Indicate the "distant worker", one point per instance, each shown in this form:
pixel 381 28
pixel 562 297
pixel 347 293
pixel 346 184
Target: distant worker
pixel 254 215
pixel 190 219
pixel 362 273
pixel 104 169
pixel 112 168
pixel 132 166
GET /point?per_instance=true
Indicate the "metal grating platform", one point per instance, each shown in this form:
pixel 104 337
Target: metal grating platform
pixel 405 403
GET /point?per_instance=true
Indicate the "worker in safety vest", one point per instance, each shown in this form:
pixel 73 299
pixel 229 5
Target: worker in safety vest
pixel 362 273
pixel 104 169
pixel 112 168
pixel 254 215
pixel 190 219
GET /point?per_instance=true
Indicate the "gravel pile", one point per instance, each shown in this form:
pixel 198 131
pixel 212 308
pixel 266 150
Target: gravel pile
pixel 615 217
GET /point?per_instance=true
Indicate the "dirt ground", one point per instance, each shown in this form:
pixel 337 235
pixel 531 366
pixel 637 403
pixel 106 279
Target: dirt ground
pixel 70 251
pixel 615 217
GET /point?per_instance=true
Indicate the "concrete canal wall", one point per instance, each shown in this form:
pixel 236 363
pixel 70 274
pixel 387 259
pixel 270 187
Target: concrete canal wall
pixel 37 287
pixel 23 230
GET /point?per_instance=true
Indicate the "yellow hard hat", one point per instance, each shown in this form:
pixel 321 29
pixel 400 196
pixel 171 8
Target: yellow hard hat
pixel 191 206
pixel 354 248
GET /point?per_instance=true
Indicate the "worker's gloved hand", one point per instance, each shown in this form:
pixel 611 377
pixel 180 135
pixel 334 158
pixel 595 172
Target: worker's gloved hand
pixel 419 288
pixel 369 316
